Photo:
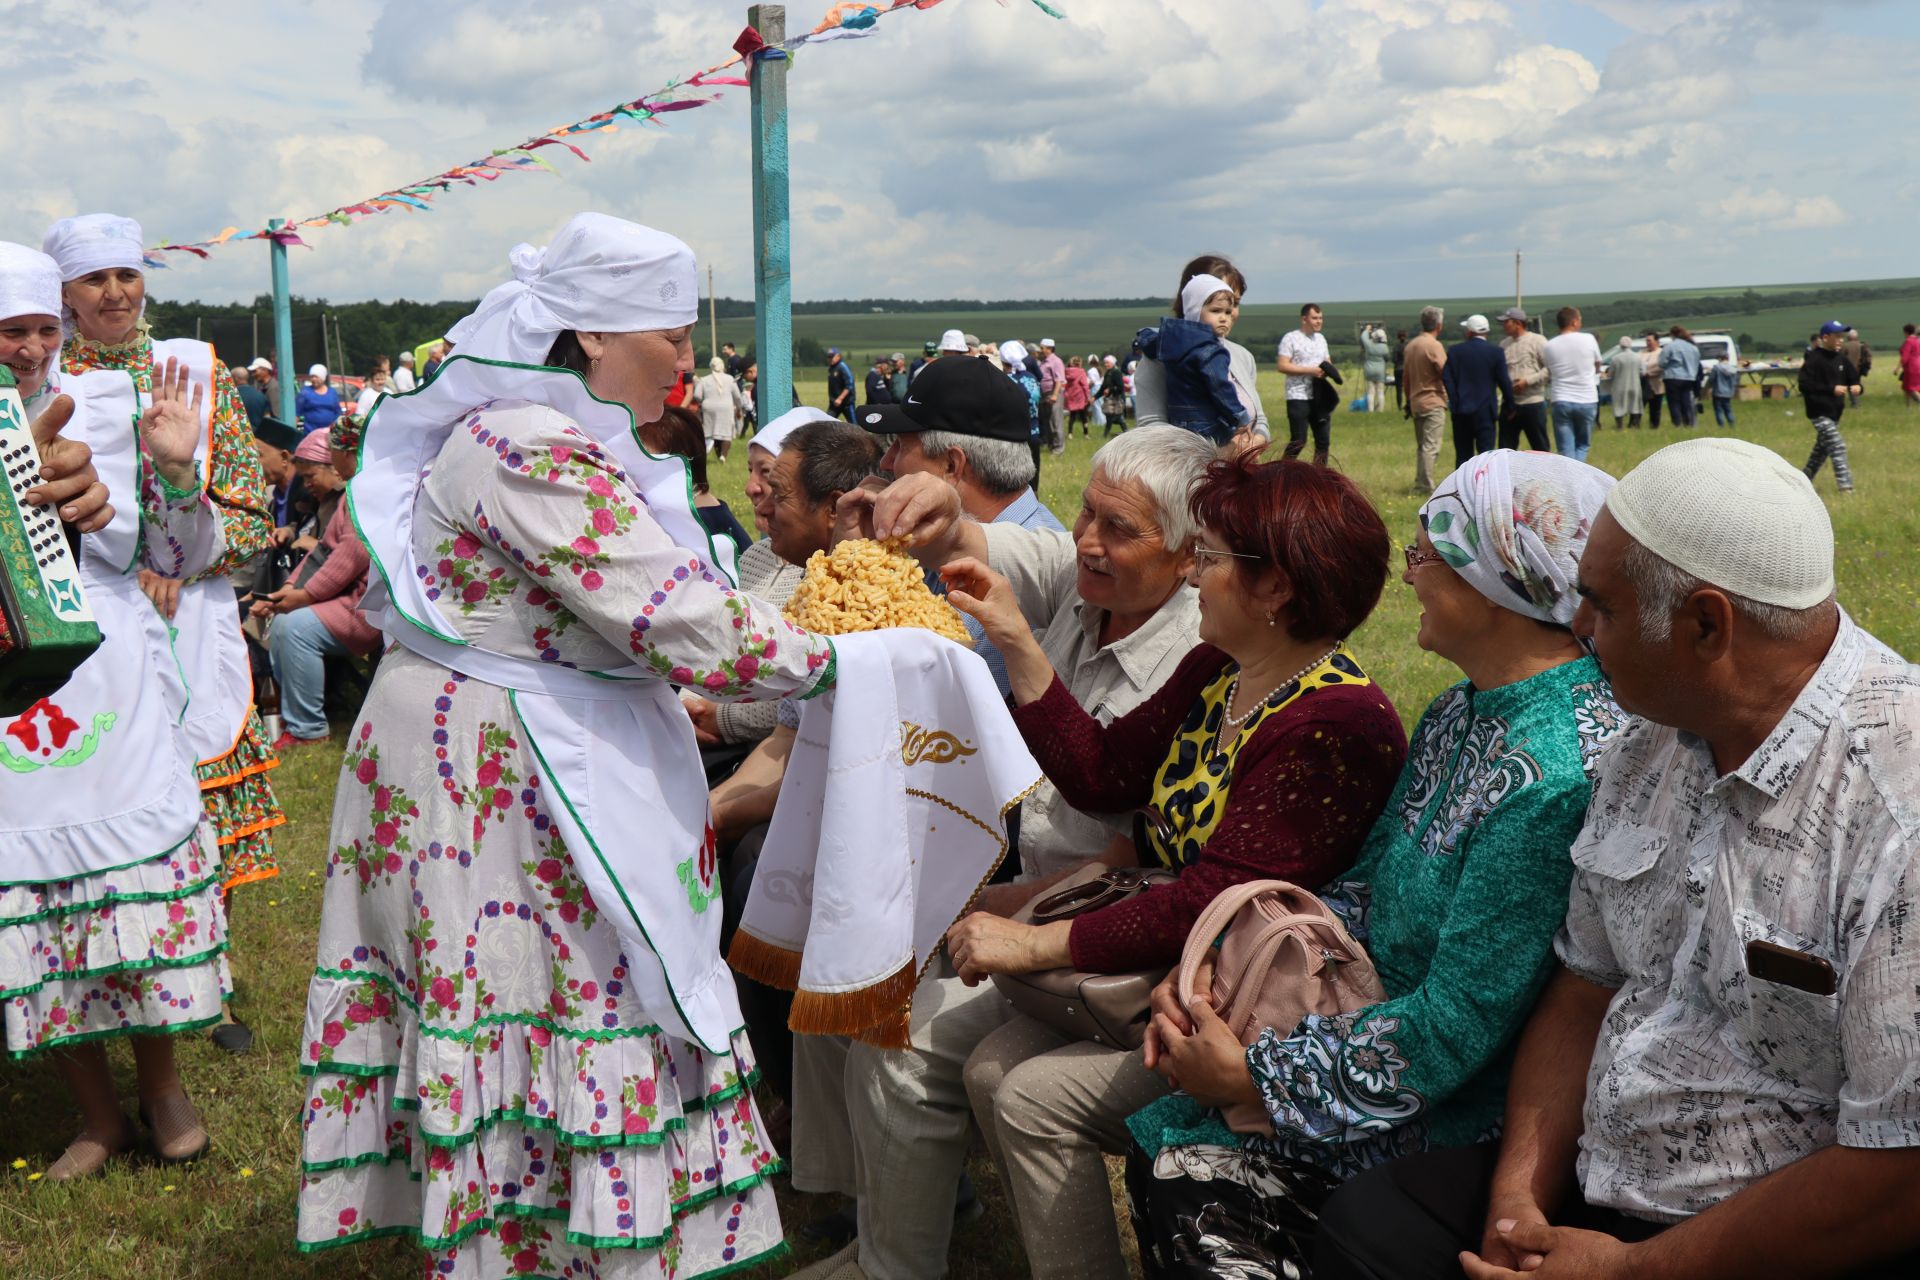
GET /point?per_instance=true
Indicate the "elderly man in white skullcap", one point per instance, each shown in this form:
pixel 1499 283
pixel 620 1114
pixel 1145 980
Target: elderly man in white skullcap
pixel 1738 960
pixel 519 942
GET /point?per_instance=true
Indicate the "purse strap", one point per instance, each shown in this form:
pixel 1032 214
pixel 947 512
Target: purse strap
pixel 1206 929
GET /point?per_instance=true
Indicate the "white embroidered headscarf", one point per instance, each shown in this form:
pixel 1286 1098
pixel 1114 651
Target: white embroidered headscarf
pixel 601 274
pixel 29 282
pixel 94 242
pixel 1515 524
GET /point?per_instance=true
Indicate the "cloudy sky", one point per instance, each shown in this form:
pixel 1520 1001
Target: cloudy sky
pixel 1339 149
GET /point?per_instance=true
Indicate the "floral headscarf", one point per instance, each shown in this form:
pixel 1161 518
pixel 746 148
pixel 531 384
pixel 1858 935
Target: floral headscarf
pixel 1514 525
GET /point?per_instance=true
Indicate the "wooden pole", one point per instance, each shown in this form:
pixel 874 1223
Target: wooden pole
pixel 1519 295
pixel 713 316
pixel 772 231
pixel 282 324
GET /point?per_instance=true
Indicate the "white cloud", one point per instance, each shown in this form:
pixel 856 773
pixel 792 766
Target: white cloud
pixel 1340 148
pixel 1782 212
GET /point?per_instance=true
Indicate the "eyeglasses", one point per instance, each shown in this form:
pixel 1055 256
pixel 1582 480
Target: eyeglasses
pixel 1416 558
pixel 1209 553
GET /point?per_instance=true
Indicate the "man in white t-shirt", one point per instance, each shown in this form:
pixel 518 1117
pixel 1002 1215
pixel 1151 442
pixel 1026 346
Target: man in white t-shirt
pixel 1574 368
pixel 1303 355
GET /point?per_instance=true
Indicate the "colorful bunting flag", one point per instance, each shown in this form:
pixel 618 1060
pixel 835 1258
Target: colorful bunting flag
pixel 849 18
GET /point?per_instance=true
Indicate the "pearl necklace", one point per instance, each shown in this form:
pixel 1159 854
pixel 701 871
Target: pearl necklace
pixel 1234 722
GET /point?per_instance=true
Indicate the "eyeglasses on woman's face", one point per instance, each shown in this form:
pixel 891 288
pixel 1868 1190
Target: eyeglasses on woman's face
pixel 1205 555
pixel 1416 558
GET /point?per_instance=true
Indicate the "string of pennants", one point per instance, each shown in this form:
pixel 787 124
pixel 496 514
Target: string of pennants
pixel 845 20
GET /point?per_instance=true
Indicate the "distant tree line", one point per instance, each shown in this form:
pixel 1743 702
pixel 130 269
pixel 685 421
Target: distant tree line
pixel 358 331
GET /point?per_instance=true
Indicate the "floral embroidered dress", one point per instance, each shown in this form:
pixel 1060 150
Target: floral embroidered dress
pixel 239 800
pixel 111 920
pixel 486 1076
pixel 1457 896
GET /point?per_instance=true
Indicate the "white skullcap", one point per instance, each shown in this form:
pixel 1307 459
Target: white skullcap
pixel 94 242
pixel 1194 294
pixel 1734 515
pixel 601 274
pixel 1047 343
pixel 29 282
pixel 954 340
pixel 1625 340
pixel 774 435
pixel 1012 351
pixel 317 371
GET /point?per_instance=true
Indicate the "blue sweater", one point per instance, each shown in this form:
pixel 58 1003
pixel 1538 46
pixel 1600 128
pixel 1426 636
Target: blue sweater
pixel 318 410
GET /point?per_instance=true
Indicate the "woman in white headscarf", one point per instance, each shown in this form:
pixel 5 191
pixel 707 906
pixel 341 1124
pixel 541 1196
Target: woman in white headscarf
pixel 524 1045
pixel 110 910
pixel 1456 895
pixel 102 264
pixel 720 401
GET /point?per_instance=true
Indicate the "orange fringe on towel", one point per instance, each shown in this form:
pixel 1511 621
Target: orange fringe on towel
pixel 888 1033
pixel 764 962
pixel 849 1013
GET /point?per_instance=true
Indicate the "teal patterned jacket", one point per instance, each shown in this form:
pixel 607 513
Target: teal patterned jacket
pixel 1457 896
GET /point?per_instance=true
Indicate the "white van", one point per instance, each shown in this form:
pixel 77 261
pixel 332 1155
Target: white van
pixel 1715 347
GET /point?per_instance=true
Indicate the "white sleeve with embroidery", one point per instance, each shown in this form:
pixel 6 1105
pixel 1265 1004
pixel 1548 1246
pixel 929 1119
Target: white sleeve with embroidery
pixel 557 501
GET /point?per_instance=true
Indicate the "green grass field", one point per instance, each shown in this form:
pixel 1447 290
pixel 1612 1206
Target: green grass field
pixel 230 1217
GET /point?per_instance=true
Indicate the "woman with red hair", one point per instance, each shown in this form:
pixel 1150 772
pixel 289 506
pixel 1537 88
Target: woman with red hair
pixel 1267 755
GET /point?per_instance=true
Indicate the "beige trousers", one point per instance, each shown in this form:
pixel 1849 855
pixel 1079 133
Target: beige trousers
pixel 1050 1107
pixel 890 1126
pixel 1428 425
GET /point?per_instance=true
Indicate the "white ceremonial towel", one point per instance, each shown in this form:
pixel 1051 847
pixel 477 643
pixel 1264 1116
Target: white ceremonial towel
pixel 891 818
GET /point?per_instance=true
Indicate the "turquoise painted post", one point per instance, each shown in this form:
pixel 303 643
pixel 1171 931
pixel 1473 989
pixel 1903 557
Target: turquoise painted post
pixel 772 230
pixel 282 325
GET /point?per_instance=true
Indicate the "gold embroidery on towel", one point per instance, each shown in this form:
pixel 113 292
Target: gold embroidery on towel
pixel 931 746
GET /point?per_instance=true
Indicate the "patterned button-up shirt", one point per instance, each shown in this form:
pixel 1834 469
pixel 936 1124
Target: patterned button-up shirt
pixel 1708 1076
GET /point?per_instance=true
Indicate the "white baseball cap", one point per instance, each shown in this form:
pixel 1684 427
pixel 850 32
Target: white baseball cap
pixel 1047 343
pixel 260 362
pixel 1475 323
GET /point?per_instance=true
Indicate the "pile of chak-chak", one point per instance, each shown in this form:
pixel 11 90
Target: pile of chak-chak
pixel 864 585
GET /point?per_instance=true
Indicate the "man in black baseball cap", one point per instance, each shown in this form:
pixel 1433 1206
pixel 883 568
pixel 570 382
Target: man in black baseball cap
pixel 966 422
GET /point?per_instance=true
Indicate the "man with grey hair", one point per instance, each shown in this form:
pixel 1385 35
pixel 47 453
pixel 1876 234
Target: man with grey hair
pixel 967 425
pixel 1114 614
pixel 1426 362
pixel 1739 959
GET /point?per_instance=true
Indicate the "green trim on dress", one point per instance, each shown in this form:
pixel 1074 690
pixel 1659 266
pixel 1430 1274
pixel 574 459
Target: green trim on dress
pixel 88 1037
pixel 519 1116
pixel 126 966
pixel 110 900
pixel 508 1210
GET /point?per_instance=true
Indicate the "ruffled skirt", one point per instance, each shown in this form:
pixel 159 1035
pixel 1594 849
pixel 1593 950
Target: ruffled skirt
pixel 482 1078
pixel 240 804
pixel 135 951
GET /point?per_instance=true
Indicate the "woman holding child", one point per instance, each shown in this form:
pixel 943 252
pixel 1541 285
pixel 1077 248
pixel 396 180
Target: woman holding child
pixel 1189 373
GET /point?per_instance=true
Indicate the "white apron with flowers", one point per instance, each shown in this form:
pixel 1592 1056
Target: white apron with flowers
pixel 206 625
pixel 110 913
pixel 496 1069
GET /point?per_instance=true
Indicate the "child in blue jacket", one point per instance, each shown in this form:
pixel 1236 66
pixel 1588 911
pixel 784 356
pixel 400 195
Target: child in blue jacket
pixel 1190 349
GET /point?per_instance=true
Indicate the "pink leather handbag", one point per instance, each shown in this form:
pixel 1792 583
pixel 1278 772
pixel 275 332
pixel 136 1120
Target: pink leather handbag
pixel 1283 955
